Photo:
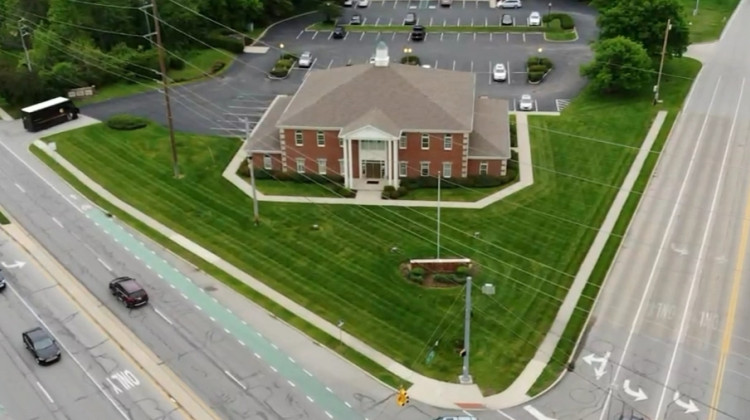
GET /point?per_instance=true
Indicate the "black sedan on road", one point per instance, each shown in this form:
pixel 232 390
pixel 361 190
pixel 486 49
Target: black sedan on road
pixel 41 344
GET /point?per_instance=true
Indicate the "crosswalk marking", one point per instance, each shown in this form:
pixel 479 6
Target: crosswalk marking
pixel 561 104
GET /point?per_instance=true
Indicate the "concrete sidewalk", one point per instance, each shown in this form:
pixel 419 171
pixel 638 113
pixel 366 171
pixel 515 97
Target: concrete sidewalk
pixel 424 389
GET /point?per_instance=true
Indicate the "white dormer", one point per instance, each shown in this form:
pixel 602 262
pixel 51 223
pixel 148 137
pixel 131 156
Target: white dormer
pixel 381 55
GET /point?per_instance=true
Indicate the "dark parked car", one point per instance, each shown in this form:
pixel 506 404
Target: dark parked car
pixel 356 19
pixel 411 19
pixel 507 20
pixel 418 33
pixel 2 280
pixel 128 291
pixel 41 344
pixel 339 32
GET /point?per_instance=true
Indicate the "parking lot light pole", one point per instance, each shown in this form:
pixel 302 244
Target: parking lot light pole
pixel 281 50
pixel 549 12
pixel 539 57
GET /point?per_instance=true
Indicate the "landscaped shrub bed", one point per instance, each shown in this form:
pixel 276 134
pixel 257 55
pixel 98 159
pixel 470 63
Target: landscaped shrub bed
pixel 125 122
pixel 537 68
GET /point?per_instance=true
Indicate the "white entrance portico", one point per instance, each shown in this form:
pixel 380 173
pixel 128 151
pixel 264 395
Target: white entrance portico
pixel 376 156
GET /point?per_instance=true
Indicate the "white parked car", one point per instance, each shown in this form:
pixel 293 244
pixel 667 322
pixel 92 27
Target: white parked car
pixel 526 104
pixel 363 3
pixel 305 59
pixel 535 19
pixel 348 3
pixel 499 73
pixel 509 4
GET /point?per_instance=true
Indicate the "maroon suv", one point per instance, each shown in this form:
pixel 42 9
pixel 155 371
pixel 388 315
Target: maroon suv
pixel 128 291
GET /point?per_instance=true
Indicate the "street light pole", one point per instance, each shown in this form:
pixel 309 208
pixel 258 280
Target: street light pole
pixel 465 378
pixel 661 65
pixel 549 12
pixel 251 169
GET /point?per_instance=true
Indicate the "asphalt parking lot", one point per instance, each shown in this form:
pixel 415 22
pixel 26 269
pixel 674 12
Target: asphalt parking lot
pixel 472 52
pixel 460 13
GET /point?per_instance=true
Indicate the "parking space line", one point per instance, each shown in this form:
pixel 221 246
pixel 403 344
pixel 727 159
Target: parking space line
pixel 346 35
pixel 476 4
pixel 472 66
pixel 514 104
pixel 459 22
pixel 536 107
pixel 441 37
pixel 458 36
pixel 490 36
pixel 330 64
pixel 490 73
pixel 362 36
pixel 364 21
pixel 445 23
pixel 472 21
pixel 507 70
pixel 430 20
pixel 507 37
pixel 393 37
pixel 436 63
pixel 390 22
pixel 377 36
pixel 475 36
pixel 454 65
pixel 425 36
pixel 300 34
pixel 330 35
pixel 377 21
pixel 315 34
pixel 464 4
pixel 486 22
pixel 395 3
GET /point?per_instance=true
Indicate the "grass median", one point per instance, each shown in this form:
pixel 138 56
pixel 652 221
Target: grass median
pixel 682 73
pixel 530 244
pixel 711 18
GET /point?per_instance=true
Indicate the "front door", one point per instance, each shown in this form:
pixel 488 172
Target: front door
pixel 374 169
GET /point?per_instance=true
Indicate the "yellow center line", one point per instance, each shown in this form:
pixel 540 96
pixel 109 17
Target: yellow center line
pixel 731 312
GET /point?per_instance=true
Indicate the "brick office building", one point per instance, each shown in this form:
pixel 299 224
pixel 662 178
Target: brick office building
pixel 375 123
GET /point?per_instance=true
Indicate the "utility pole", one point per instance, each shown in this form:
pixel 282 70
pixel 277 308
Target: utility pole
pixel 251 169
pixel 465 378
pixel 438 216
pixel 23 32
pixel 661 65
pixel 165 86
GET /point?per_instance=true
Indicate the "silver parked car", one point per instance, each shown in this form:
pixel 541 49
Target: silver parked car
pixel 510 4
pixel 526 103
pixel 305 59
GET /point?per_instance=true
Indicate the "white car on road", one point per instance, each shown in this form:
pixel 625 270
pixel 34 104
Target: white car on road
pixel 499 73
pixel 535 19
pixel 526 104
pixel 509 4
pixel 363 3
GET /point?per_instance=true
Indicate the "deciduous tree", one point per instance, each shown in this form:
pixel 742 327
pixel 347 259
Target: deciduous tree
pixel 619 66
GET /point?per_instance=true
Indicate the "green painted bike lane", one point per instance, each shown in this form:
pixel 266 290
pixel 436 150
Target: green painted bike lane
pixel 261 348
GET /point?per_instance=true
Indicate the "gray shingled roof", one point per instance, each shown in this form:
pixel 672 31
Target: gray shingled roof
pixel 375 118
pixel 411 97
pixel 265 135
pixel 491 135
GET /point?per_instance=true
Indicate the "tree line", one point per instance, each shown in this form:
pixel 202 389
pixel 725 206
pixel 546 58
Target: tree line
pixel 631 39
pixel 76 43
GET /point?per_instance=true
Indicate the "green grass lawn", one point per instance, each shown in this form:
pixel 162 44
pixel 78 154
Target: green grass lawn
pixel 711 18
pixel 530 247
pixel 275 187
pixel 453 194
pixel 201 61
pixel 677 89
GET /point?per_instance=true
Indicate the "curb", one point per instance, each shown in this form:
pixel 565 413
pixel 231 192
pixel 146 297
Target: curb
pixel 161 376
pixel 575 31
pixel 262 34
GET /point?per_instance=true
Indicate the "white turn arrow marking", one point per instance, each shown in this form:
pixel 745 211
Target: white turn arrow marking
pixel 638 395
pixel 689 406
pixel 17 264
pixel 536 413
pixel 599 370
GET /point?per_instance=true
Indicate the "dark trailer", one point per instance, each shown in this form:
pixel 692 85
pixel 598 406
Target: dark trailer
pixel 48 113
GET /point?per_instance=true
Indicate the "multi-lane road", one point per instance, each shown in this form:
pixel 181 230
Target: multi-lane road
pixel 93 379
pixel 670 334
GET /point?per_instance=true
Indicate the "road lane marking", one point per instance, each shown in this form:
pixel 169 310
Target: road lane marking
pixel 58 222
pixel 20 188
pixel 505 415
pixel 237 381
pixel 726 339
pixel 104 264
pixel 46 394
pixel 702 251
pixel 164 317
pixel 652 274
pixel 310 399
pixel 328 414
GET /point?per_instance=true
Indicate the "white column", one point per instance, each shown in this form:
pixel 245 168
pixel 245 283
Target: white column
pixel 396 162
pixel 345 169
pixel 348 153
